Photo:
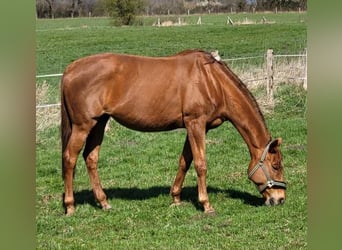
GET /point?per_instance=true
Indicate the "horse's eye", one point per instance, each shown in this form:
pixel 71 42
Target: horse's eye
pixel 275 167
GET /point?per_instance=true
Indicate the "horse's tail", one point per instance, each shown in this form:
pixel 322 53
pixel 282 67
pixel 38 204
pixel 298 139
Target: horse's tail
pixel 65 126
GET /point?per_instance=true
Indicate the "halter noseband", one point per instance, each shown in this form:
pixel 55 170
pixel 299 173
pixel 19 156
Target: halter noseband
pixel 270 183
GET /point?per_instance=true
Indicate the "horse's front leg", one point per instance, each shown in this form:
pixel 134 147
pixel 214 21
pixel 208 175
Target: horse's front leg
pixel 196 133
pixel 184 164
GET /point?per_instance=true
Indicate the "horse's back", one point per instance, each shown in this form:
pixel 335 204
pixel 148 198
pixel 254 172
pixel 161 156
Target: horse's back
pixel 143 93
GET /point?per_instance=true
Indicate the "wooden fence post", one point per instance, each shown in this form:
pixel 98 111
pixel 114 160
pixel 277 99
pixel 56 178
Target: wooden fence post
pixel 270 74
pixel 263 20
pixel 229 21
pixel 199 21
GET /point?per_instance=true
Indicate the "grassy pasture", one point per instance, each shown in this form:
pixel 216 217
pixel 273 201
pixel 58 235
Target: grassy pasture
pixel 58 42
pixel 137 169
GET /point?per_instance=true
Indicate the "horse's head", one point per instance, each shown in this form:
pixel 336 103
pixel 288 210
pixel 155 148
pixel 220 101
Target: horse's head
pixel 267 174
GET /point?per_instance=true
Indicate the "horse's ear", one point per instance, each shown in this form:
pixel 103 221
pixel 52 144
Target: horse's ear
pixel 275 144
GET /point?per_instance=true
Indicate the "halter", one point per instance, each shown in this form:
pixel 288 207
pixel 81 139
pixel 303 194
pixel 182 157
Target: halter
pixel 270 183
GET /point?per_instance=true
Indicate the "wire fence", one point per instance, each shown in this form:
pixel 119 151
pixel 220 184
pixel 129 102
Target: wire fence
pixel 253 71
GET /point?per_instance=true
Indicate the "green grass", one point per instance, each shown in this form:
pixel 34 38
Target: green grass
pixel 137 169
pixel 57 47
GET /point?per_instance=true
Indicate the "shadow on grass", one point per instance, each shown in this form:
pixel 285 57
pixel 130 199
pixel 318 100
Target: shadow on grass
pixel 247 198
pixel 189 194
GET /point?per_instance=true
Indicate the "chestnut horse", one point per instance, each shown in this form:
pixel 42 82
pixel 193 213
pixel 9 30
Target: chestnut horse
pixel 190 90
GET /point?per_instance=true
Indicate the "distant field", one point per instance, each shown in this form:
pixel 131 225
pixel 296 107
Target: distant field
pixel 137 169
pixel 60 41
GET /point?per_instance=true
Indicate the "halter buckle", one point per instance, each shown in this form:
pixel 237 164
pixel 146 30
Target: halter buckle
pixel 270 183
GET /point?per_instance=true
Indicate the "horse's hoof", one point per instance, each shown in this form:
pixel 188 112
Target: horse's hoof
pixel 107 207
pixel 210 212
pixel 70 210
pixel 175 204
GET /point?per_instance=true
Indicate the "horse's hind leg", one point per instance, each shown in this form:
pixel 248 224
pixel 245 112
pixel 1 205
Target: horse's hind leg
pixel 184 164
pixel 70 155
pixel 91 156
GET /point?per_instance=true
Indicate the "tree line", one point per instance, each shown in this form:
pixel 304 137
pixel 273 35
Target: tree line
pixel 83 8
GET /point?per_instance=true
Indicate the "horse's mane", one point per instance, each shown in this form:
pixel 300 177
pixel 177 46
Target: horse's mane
pixel 210 59
pixel 190 51
pixel 236 80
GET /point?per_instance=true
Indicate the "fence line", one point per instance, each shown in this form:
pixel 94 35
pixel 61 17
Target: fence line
pixel 241 58
pixel 298 55
pixel 271 71
pixel 49 75
pixel 224 60
pixel 48 105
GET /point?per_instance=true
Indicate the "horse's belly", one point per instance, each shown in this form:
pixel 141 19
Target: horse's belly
pixel 151 111
pixel 149 122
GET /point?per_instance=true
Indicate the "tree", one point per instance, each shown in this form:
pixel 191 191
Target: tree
pixel 42 8
pixel 88 6
pixel 284 5
pixel 52 5
pixel 124 11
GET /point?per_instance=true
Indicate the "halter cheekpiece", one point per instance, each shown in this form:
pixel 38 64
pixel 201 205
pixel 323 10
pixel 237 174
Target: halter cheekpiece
pixel 270 183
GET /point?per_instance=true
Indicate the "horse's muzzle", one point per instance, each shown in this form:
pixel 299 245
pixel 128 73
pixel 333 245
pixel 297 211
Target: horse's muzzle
pixel 275 201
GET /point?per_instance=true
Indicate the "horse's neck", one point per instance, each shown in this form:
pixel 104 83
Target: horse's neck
pixel 255 136
pixel 245 115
